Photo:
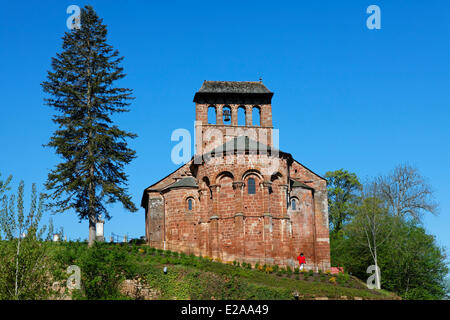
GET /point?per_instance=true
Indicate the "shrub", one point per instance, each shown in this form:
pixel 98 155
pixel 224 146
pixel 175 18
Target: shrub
pixel 297 270
pixel 103 269
pixel 269 269
pixel 343 278
pixel 311 273
pixel 288 270
pixel 332 280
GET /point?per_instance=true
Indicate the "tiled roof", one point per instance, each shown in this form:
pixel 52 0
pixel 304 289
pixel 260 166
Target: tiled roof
pixel 233 87
pixel 296 184
pixel 184 182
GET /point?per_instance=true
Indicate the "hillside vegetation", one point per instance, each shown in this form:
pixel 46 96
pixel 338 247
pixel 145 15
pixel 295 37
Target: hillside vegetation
pixel 124 271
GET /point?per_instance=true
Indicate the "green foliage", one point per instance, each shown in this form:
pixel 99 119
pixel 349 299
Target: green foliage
pixel 343 187
pixel 188 277
pixel 288 270
pixel 81 88
pixel 447 288
pixel 411 262
pixel 24 268
pixel 103 268
pixel 4 185
pixel 343 278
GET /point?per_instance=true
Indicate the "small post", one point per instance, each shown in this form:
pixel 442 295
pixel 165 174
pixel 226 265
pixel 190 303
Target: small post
pixel 99 229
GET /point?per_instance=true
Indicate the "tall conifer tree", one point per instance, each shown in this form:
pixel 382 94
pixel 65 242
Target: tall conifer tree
pixel 81 88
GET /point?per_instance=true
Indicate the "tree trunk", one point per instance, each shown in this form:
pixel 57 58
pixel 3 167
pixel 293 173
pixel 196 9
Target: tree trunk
pixel 16 284
pixel 377 274
pixel 92 201
pixel 92 231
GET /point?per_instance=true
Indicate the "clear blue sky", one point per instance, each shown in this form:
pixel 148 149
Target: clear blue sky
pixel 345 96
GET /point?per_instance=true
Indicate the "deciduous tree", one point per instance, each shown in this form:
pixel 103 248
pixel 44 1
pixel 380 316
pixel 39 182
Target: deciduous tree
pixel 407 193
pixel 343 189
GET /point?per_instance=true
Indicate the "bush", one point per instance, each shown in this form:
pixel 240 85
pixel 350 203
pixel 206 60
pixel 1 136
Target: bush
pixel 288 270
pixel 102 271
pixel 343 278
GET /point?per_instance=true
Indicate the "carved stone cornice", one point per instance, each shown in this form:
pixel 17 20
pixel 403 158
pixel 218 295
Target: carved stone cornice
pixel 238 185
pixel 267 184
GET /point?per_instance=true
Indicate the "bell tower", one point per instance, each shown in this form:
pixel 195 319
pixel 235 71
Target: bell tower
pixel 218 105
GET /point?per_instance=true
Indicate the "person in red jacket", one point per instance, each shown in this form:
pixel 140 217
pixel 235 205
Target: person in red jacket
pixel 301 260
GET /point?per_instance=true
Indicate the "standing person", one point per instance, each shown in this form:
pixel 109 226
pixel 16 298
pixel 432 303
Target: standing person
pixel 301 260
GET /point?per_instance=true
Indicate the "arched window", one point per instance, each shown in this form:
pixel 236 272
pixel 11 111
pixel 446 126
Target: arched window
pixel 256 116
pixel 251 187
pixel 226 111
pixel 211 115
pixel 241 116
pixel 190 204
pixel 294 204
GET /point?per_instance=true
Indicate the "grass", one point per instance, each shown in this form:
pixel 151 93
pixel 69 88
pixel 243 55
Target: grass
pixel 198 278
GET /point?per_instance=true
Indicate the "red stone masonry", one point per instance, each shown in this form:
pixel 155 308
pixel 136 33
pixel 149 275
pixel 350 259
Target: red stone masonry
pixel 227 220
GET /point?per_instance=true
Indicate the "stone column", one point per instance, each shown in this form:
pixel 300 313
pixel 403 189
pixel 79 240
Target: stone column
pixel 215 189
pixel 284 200
pixel 219 115
pixel 248 115
pixel 287 244
pixel 214 236
pixel 238 241
pixel 215 224
pixel 234 115
pixel 203 237
pixel 267 224
pixel 265 186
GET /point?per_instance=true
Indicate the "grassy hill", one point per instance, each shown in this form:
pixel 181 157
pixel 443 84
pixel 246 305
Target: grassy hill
pixel 137 272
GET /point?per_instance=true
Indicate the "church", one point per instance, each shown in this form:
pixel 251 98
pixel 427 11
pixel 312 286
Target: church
pixel 239 198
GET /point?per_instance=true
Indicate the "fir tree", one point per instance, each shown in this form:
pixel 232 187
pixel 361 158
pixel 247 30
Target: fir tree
pixel 94 150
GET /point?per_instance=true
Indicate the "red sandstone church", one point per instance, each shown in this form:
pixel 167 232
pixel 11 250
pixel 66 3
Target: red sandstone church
pixel 239 198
